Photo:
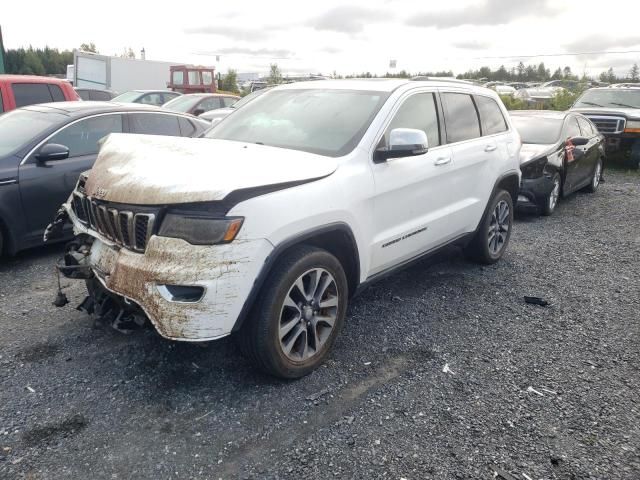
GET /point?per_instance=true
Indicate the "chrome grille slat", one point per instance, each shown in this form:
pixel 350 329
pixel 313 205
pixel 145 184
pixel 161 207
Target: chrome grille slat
pixel 125 228
pixel 608 124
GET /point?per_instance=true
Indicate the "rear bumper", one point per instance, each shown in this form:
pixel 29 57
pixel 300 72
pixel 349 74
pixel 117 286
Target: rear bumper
pixel 534 191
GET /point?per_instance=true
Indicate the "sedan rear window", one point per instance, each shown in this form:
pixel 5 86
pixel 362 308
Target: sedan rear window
pixel 537 130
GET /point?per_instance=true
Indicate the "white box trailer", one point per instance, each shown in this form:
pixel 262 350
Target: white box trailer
pixel 92 70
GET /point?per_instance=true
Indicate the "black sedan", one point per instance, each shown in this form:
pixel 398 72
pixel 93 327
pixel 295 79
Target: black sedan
pixel 44 148
pixel 562 152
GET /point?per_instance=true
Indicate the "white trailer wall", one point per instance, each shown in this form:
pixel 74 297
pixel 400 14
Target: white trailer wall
pixel 132 74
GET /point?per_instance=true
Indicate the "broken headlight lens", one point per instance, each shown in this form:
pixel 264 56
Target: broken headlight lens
pixel 200 229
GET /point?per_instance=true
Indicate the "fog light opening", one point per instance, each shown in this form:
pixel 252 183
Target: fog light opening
pixel 181 293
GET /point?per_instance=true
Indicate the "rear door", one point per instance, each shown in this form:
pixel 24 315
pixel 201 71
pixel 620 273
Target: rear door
pixel 574 164
pixel 44 187
pixel 412 194
pixel 475 157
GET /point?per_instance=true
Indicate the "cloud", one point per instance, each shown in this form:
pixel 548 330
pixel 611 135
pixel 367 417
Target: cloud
pixel 347 19
pixel 331 50
pixel 255 52
pixel 602 42
pixel 490 12
pixel 471 44
pixel 232 32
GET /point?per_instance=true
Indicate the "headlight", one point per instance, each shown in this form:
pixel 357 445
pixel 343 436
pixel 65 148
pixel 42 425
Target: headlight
pixel 632 126
pixel 199 228
pixel 534 168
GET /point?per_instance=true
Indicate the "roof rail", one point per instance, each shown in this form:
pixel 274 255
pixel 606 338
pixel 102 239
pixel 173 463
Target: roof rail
pixel 423 78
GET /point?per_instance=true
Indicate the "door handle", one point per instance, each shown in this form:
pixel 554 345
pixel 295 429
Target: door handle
pixel 490 148
pixel 442 161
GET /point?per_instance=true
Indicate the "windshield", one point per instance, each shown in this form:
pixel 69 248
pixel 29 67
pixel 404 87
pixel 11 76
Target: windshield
pixel 183 103
pixel 538 130
pixel 127 97
pixel 615 98
pixel 246 99
pixel 19 127
pixel 326 122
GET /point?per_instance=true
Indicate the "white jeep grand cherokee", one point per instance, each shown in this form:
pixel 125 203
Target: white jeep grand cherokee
pixel 289 206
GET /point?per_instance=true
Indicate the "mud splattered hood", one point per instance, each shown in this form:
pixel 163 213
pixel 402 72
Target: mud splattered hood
pixel 154 170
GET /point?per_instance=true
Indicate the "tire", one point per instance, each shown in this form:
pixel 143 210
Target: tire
pixel 595 178
pixel 288 333
pixel 492 238
pixel 1 243
pixel 550 203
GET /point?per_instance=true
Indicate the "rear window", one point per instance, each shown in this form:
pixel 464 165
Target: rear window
pixel 31 93
pixel 460 117
pixel 490 116
pixel 154 124
pixel 56 93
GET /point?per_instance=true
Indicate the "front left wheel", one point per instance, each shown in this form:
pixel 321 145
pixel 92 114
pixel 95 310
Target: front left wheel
pixel 298 314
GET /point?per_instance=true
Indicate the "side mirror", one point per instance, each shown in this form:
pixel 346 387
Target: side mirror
pixel 198 111
pixel 579 141
pixel 51 152
pixel 403 142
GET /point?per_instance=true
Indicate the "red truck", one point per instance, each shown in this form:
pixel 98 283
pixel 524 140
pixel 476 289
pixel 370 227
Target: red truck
pixel 20 90
pixel 192 79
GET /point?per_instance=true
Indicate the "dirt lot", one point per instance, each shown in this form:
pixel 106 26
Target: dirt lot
pixel 442 371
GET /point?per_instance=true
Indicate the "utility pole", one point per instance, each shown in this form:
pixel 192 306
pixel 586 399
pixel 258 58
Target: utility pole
pixel 1 53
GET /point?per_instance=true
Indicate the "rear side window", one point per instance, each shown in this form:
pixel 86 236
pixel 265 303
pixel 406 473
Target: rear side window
pixel 56 93
pixel 419 112
pixel 491 116
pixel 585 126
pixel 82 137
pixel 460 117
pixel 154 124
pixel 31 93
pixel 187 129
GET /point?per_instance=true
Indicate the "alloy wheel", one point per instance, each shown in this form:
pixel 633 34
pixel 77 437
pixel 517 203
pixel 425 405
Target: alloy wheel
pixel 555 194
pixel 596 175
pixel 308 314
pixel 499 227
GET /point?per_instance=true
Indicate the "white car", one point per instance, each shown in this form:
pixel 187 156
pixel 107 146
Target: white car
pixel 292 205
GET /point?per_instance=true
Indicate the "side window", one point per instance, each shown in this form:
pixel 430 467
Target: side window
pixel 194 77
pixel 152 99
pixel 210 103
pixel 154 124
pixel 460 117
pixel 419 112
pixel 82 137
pixel 187 129
pixel 100 96
pixel 30 93
pixel 177 77
pixel 84 94
pixel 228 101
pixel 571 128
pixel 491 116
pixel 56 93
pixel 585 127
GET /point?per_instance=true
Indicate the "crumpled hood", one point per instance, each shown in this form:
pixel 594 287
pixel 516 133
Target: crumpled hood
pixel 155 170
pixel 531 151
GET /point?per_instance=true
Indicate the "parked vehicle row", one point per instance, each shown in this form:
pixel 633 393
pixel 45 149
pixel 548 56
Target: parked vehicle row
pixel 266 227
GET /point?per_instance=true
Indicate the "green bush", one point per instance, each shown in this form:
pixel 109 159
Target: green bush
pixel 514 103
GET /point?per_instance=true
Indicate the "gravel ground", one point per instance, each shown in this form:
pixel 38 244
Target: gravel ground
pixel 442 371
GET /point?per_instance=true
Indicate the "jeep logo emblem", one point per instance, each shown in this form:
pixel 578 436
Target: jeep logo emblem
pixel 100 193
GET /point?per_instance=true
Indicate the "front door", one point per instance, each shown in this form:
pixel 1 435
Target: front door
pixel 412 194
pixel 45 186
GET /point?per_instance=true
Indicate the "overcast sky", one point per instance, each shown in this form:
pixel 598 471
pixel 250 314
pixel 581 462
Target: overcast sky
pixel 348 37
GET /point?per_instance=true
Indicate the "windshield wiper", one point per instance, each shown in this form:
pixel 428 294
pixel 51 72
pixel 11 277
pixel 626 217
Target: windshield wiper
pixel 623 105
pixel 591 103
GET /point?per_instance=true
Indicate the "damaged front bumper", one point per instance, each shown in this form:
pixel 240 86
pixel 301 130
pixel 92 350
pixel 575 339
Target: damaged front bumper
pixel 188 292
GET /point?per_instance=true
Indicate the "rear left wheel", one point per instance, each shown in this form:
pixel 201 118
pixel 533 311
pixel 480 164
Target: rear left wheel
pixel 491 240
